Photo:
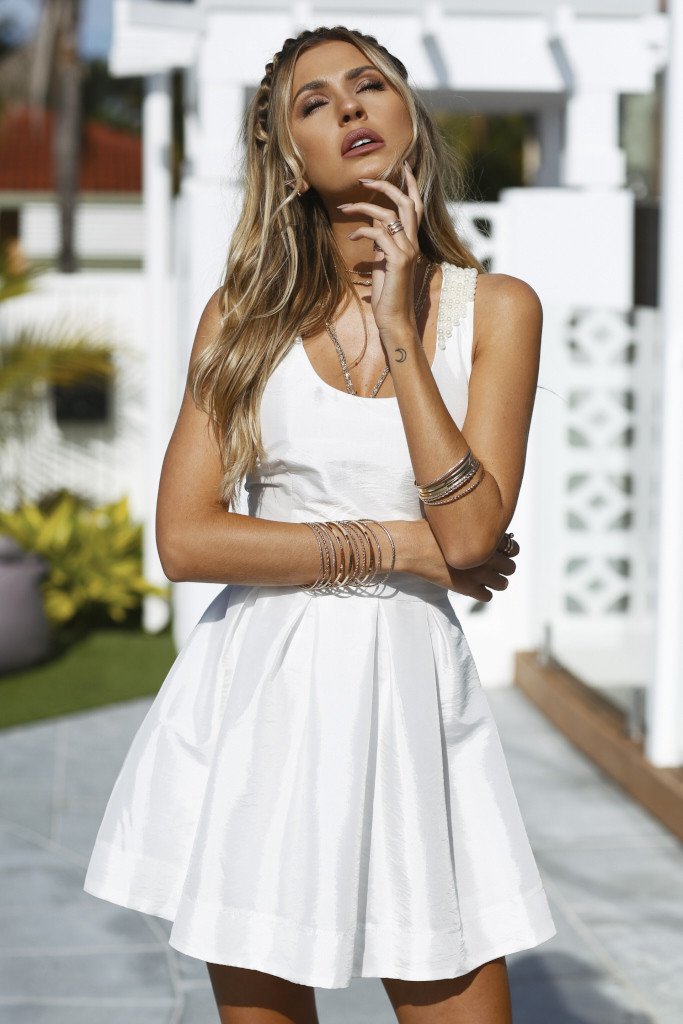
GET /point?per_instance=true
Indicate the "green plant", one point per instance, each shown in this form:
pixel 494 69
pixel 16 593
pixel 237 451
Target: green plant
pixel 94 554
pixel 31 361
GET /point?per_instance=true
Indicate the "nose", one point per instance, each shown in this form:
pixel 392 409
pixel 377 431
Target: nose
pixel 351 109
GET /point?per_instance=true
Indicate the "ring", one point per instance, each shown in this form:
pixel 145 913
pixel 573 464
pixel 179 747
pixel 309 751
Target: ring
pixel 395 227
pixel 507 548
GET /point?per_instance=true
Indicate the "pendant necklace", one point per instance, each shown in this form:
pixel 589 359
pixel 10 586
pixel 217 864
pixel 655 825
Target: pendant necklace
pixel 340 352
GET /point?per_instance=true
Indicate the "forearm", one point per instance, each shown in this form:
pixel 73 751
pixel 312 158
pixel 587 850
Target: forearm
pixel 228 547
pixel 467 529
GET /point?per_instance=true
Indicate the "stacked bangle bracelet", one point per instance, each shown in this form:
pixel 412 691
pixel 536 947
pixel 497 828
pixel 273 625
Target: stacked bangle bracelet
pixel 450 486
pixel 350 554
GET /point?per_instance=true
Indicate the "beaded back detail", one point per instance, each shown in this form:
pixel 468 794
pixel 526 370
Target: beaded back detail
pixel 458 288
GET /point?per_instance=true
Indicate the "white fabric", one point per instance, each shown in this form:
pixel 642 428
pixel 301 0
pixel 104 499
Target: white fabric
pixel 318 790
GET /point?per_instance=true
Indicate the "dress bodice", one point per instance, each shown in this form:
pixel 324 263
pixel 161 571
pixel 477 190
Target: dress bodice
pixel 333 455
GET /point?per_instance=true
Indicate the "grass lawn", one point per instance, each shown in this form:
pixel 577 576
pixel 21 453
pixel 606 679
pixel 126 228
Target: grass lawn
pixel 106 666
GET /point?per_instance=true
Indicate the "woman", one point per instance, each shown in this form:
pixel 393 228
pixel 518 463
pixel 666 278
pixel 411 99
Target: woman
pixel 318 791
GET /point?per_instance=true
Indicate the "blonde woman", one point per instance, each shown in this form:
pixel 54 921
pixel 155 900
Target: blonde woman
pixel 318 791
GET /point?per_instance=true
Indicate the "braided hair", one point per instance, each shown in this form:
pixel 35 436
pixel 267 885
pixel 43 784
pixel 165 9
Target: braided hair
pixel 291 48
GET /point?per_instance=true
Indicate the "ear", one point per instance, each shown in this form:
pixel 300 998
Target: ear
pixel 303 186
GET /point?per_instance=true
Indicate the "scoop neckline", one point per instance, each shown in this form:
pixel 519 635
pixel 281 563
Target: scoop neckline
pixel 369 398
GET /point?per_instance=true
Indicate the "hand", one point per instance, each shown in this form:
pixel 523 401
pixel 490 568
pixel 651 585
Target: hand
pixel 422 556
pixel 393 274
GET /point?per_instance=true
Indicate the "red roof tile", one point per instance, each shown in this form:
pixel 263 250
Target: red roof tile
pixel 111 160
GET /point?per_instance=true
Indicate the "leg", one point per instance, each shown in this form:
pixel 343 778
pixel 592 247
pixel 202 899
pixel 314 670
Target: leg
pixel 480 997
pixel 244 996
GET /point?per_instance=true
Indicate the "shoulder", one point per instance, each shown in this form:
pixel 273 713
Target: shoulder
pixel 505 304
pixel 209 325
pixel 500 293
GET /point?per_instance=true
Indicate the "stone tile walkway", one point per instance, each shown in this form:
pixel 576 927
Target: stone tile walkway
pixel 613 875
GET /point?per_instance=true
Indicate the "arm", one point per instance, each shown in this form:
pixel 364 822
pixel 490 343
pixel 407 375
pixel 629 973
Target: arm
pixel 199 540
pixel 502 385
pixel 502 388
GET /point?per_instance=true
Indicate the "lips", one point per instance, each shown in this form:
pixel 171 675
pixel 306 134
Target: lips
pixel 355 135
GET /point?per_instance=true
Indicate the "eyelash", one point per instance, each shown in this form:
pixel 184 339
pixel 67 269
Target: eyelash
pixel 372 84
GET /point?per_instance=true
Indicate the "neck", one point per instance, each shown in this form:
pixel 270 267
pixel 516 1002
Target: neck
pixel 357 254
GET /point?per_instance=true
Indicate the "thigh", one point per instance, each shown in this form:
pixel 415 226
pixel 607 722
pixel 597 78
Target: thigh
pixel 480 997
pixel 244 996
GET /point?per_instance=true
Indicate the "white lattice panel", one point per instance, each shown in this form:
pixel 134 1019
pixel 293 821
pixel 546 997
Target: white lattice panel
pixel 480 225
pixel 596 490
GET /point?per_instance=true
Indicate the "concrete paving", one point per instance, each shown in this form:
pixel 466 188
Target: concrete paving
pixel 613 875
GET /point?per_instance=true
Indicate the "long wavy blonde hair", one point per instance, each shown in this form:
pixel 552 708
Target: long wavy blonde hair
pixel 284 274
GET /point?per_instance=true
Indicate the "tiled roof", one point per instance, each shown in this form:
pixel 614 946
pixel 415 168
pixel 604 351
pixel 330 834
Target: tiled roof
pixel 111 160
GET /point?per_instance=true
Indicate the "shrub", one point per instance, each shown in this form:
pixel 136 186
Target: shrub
pixel 94 553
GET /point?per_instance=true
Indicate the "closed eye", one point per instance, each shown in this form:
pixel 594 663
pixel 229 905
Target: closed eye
pixel 374 83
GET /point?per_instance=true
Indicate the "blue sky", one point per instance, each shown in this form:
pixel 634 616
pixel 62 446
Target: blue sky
pixel 96 30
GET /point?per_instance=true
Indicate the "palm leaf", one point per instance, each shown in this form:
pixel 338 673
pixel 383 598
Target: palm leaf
pixel 31 358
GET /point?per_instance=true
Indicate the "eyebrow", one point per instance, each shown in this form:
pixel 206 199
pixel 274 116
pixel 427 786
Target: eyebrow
pixel 319 83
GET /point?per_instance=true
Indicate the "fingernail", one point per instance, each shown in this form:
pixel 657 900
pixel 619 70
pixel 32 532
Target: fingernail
pixel 342 206
pixel 366 180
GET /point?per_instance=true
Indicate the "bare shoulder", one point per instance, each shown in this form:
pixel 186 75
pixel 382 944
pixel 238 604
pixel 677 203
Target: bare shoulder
pixel 504 304
pixel 499 293
pixel 209 324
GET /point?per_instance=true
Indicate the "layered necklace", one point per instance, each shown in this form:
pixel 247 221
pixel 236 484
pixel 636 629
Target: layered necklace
pixel 419 305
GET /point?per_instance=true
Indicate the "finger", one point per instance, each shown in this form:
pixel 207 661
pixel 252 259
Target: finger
pixel 406 206
pixel 514 547
pixel 376 212
pixel 389 244
pixel 502 563
pixel 413 190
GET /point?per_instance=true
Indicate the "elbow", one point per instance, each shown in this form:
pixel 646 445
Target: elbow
pixel 171 559
pixel 468 553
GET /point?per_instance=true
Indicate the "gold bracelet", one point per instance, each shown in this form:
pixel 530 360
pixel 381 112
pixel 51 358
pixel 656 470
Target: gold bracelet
pixel 372 555
pixel 443 476
pixel 347 553
pixel 454 477
pixel 369 564
pixel 455 485
pixel 461 494
pixel 393 552
pixel 348 563
pixel 347 526
pixel 335 557
pixel 378 547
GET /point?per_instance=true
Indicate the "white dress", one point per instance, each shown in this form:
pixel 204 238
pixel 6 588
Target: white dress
pixel 318 790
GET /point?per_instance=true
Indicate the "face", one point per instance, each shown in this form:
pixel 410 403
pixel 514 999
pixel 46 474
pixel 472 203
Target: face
pixel 336 91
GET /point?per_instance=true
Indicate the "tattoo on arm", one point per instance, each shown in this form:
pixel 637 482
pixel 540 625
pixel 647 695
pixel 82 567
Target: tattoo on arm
pixel 401 357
